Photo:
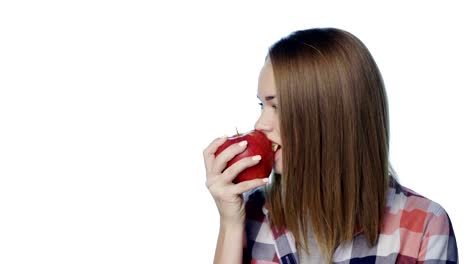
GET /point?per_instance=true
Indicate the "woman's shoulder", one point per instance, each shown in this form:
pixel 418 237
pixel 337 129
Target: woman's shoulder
pixel 412 217
pixel 406 200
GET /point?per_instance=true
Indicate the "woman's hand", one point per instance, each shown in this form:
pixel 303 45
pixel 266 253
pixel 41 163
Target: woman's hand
pixel 227 195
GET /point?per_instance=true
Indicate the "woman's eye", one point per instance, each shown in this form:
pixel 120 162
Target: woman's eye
pixel 261 106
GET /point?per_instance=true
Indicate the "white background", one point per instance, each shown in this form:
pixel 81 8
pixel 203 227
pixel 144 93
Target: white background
pixel 106 107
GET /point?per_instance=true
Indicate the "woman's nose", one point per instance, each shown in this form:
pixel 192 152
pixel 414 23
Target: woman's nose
pixel 262 125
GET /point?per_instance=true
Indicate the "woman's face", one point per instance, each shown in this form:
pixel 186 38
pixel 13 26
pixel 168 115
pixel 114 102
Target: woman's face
pixel 268 122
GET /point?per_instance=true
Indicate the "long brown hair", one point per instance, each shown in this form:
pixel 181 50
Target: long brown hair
pixel 334 127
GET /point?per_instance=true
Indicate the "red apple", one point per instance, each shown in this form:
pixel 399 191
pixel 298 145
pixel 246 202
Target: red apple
pixel 257 144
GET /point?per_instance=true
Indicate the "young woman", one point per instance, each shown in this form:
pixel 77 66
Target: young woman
pixel 333 195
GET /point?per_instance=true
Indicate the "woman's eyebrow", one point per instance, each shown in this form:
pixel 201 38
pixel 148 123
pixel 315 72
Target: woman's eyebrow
pixel 268 98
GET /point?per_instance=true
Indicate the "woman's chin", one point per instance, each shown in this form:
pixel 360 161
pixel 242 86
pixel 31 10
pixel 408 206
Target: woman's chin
pixel 277 168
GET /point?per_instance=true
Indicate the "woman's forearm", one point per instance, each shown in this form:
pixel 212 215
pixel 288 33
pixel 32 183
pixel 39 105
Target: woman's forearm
pixel 229 246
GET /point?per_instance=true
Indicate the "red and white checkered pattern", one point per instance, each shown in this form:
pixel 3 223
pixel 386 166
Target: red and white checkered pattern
pixel 415 230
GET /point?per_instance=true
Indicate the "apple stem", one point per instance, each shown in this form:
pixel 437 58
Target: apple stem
pixel 237 132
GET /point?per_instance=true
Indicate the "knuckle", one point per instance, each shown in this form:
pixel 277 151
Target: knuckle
pixel 235 147
pixel 236 167
pixel 206 151
pixel 230 171
pixel 221 155
pixel 241 165
pixel 248 161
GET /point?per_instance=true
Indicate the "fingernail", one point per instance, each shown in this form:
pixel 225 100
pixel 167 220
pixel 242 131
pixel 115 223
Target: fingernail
pixel 243 143
pixel 257 157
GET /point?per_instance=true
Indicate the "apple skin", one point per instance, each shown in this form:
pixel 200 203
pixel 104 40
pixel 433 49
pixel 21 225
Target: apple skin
pixel 257 144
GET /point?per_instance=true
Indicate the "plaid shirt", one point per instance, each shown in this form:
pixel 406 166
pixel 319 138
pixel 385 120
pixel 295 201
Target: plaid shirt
pixel 415 230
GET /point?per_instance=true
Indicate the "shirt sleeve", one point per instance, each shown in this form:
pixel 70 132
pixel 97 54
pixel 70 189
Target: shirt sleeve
pixel 438 242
